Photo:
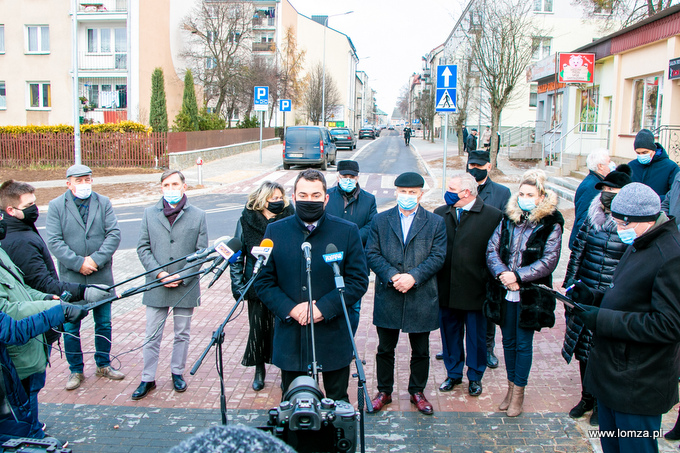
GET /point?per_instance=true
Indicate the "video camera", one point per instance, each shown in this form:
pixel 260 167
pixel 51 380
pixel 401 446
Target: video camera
pixel 25 445
pixel 308 422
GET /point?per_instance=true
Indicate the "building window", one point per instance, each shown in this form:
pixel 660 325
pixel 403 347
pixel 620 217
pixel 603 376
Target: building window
pixel 38 38
pixel 210 63
pixel 543 6
pixel 39 95
pixel 602 7
pixel 2 38
pixel 533 94
pixel 590 100
pixel 3 96
pixel 647 101
pixel 541 47
pixel 104 96
pixel 99 40
pixel 120 48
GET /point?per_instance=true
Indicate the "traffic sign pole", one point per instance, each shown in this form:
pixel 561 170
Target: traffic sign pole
pixel 446 142
pixel 261 122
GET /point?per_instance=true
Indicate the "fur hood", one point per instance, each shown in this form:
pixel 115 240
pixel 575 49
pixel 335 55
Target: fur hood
pixel 597 217
pixel 544 208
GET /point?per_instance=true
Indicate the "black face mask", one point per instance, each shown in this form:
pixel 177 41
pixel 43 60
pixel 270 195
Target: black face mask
pixel 3 229
pixel 606 200
pixel 31 214
pixel 275 207
pixel 478 173
pixel 309 211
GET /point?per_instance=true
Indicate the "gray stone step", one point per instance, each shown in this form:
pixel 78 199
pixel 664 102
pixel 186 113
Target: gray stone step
pixel 565 181
pixel 561 191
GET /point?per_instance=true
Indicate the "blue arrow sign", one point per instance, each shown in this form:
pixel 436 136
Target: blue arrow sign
pixel 447 76
pixel 261 98
pixel 447 80
pixel 285 105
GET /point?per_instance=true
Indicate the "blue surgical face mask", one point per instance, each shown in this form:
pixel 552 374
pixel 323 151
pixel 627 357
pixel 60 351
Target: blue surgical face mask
pixel 451 198
pixel 644 159
pixel 407 202
pixel 627 236
pixel 172 196
pixel 612 166
pixel 526 204
pixel 347 184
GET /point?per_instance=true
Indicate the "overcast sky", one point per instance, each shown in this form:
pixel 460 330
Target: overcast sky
pixel 390 36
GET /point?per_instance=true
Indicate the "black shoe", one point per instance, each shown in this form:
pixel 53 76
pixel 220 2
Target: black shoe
pixel 594 418
pixel 449 384
pixel 439 356
pixel 179 383
pixel 581 408
pixel 258 380
pixel 143 390
pixel 475 388
pixel 491 359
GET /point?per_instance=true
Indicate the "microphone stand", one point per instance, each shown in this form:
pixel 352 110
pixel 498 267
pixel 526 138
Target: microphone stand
pixel 362 391
pixel 315 368
pixel 218 339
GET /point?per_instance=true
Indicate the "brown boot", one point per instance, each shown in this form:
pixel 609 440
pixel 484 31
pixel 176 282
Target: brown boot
pixel 517 401
pixel 508 396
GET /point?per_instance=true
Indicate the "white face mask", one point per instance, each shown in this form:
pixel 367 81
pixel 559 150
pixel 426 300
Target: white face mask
pixel 612 166
pixel 83 191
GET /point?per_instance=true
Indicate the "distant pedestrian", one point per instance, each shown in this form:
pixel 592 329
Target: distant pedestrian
pixel 524 249
pixel 83 234
pixel 486 138
pixel 267 204
pixel 464 131
pixel 652 165
pixel 407 135
pixel 472 140
pixel 170 229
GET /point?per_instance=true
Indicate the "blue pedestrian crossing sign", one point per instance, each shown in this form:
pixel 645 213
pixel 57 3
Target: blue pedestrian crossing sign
pixel 446 88
pixel 285 105
pixel 261 98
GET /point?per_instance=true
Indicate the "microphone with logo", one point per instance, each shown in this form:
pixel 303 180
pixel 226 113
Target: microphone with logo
pixel 262 253
pixel 218 244
pixel 229 253
pixel 333 257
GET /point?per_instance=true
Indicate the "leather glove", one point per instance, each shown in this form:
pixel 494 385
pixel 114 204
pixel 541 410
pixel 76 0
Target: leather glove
pixel 589 316
pixel 93 294
pixel 73 313
pixel 582 294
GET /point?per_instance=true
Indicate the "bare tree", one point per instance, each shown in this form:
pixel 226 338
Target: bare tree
pixel 260 72
pixel 464 106
pixel 313 98
pixel 625 12
pixel 425 111
pixel 402 101
pixel 291 84
pixel 501 51
pixel 218 50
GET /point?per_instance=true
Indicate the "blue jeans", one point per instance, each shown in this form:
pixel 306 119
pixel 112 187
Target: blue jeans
pixel 102 340
pixel 611 420
pixel 35 383
pixel 518 346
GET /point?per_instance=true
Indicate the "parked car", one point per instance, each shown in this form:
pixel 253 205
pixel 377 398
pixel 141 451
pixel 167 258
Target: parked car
pixel 344 137
pixel 366 132
pixel 391 128
pixel 308 145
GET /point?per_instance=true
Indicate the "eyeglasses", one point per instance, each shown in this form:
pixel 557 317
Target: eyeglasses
pixel 622 223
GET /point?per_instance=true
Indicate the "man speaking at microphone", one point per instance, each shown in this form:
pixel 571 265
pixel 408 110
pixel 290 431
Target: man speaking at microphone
pixel 172 228
pixel 282 286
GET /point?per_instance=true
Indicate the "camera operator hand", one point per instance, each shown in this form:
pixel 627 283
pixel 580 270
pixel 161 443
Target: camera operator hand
pixel 73 313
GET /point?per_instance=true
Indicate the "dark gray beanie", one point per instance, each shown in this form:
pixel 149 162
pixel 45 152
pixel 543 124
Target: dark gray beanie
pixel 232 439
pixel 636 202
pixel 644 139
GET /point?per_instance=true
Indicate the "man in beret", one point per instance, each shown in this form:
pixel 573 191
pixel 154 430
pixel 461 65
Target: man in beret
pixel 350 202
pixel 83 234
pixel 652 165
pixel 634 362
pixel 406 248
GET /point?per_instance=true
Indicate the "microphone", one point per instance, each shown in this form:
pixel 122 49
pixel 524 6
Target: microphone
pixel 307 250
pixel 262 253
pixel 207 251
pixel 332 257
pixel 227 255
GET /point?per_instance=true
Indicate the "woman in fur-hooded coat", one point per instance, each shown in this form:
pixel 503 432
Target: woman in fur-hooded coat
pixel 523 251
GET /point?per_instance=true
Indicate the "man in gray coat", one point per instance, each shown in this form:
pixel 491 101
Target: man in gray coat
pixel 83 234
pixel 171 229
pixel 406 248
pixel 671 203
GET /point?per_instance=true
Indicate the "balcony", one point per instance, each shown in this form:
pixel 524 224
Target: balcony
pixel 264 47
pixel 103 6
pixel 98 62
pixel 264 22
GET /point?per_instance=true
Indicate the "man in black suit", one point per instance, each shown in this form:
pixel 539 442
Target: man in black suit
pixel 462 281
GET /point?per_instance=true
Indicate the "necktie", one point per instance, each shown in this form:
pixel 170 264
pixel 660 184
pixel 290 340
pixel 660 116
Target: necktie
pixel 310 228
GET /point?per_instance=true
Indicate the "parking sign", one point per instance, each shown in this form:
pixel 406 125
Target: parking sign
pixel 261 98
pixel 285 105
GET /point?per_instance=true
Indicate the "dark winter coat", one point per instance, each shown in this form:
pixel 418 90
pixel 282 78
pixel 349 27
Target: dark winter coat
pixel 530 247
pixel 463 279
pixel 634 363
pixel 359 210
pixel 595 255
pixel 585 193
pixel 471 142
pixel 494 194
pixel 421 255
pixel 671 203
pixel 658 174
pixel 250 231
pixel 28 251
pixel 282 284
pixel 465 137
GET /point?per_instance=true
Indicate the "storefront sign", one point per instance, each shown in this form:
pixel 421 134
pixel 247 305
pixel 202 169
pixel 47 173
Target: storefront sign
pixel 576 68
pixel 550 86
pixel 541 69
pixel 674 69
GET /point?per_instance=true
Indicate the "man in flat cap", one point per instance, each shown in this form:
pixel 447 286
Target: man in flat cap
pixel 406 248
pixel 83 234
pixel 350 202
pixel 634 362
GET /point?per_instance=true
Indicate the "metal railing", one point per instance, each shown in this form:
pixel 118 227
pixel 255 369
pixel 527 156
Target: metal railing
pixel 669 137
pixel 579 135
pixel 102 6
pixel 552 142
pixel 521 135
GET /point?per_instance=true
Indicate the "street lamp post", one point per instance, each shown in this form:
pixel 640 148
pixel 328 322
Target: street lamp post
pixel 323 77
